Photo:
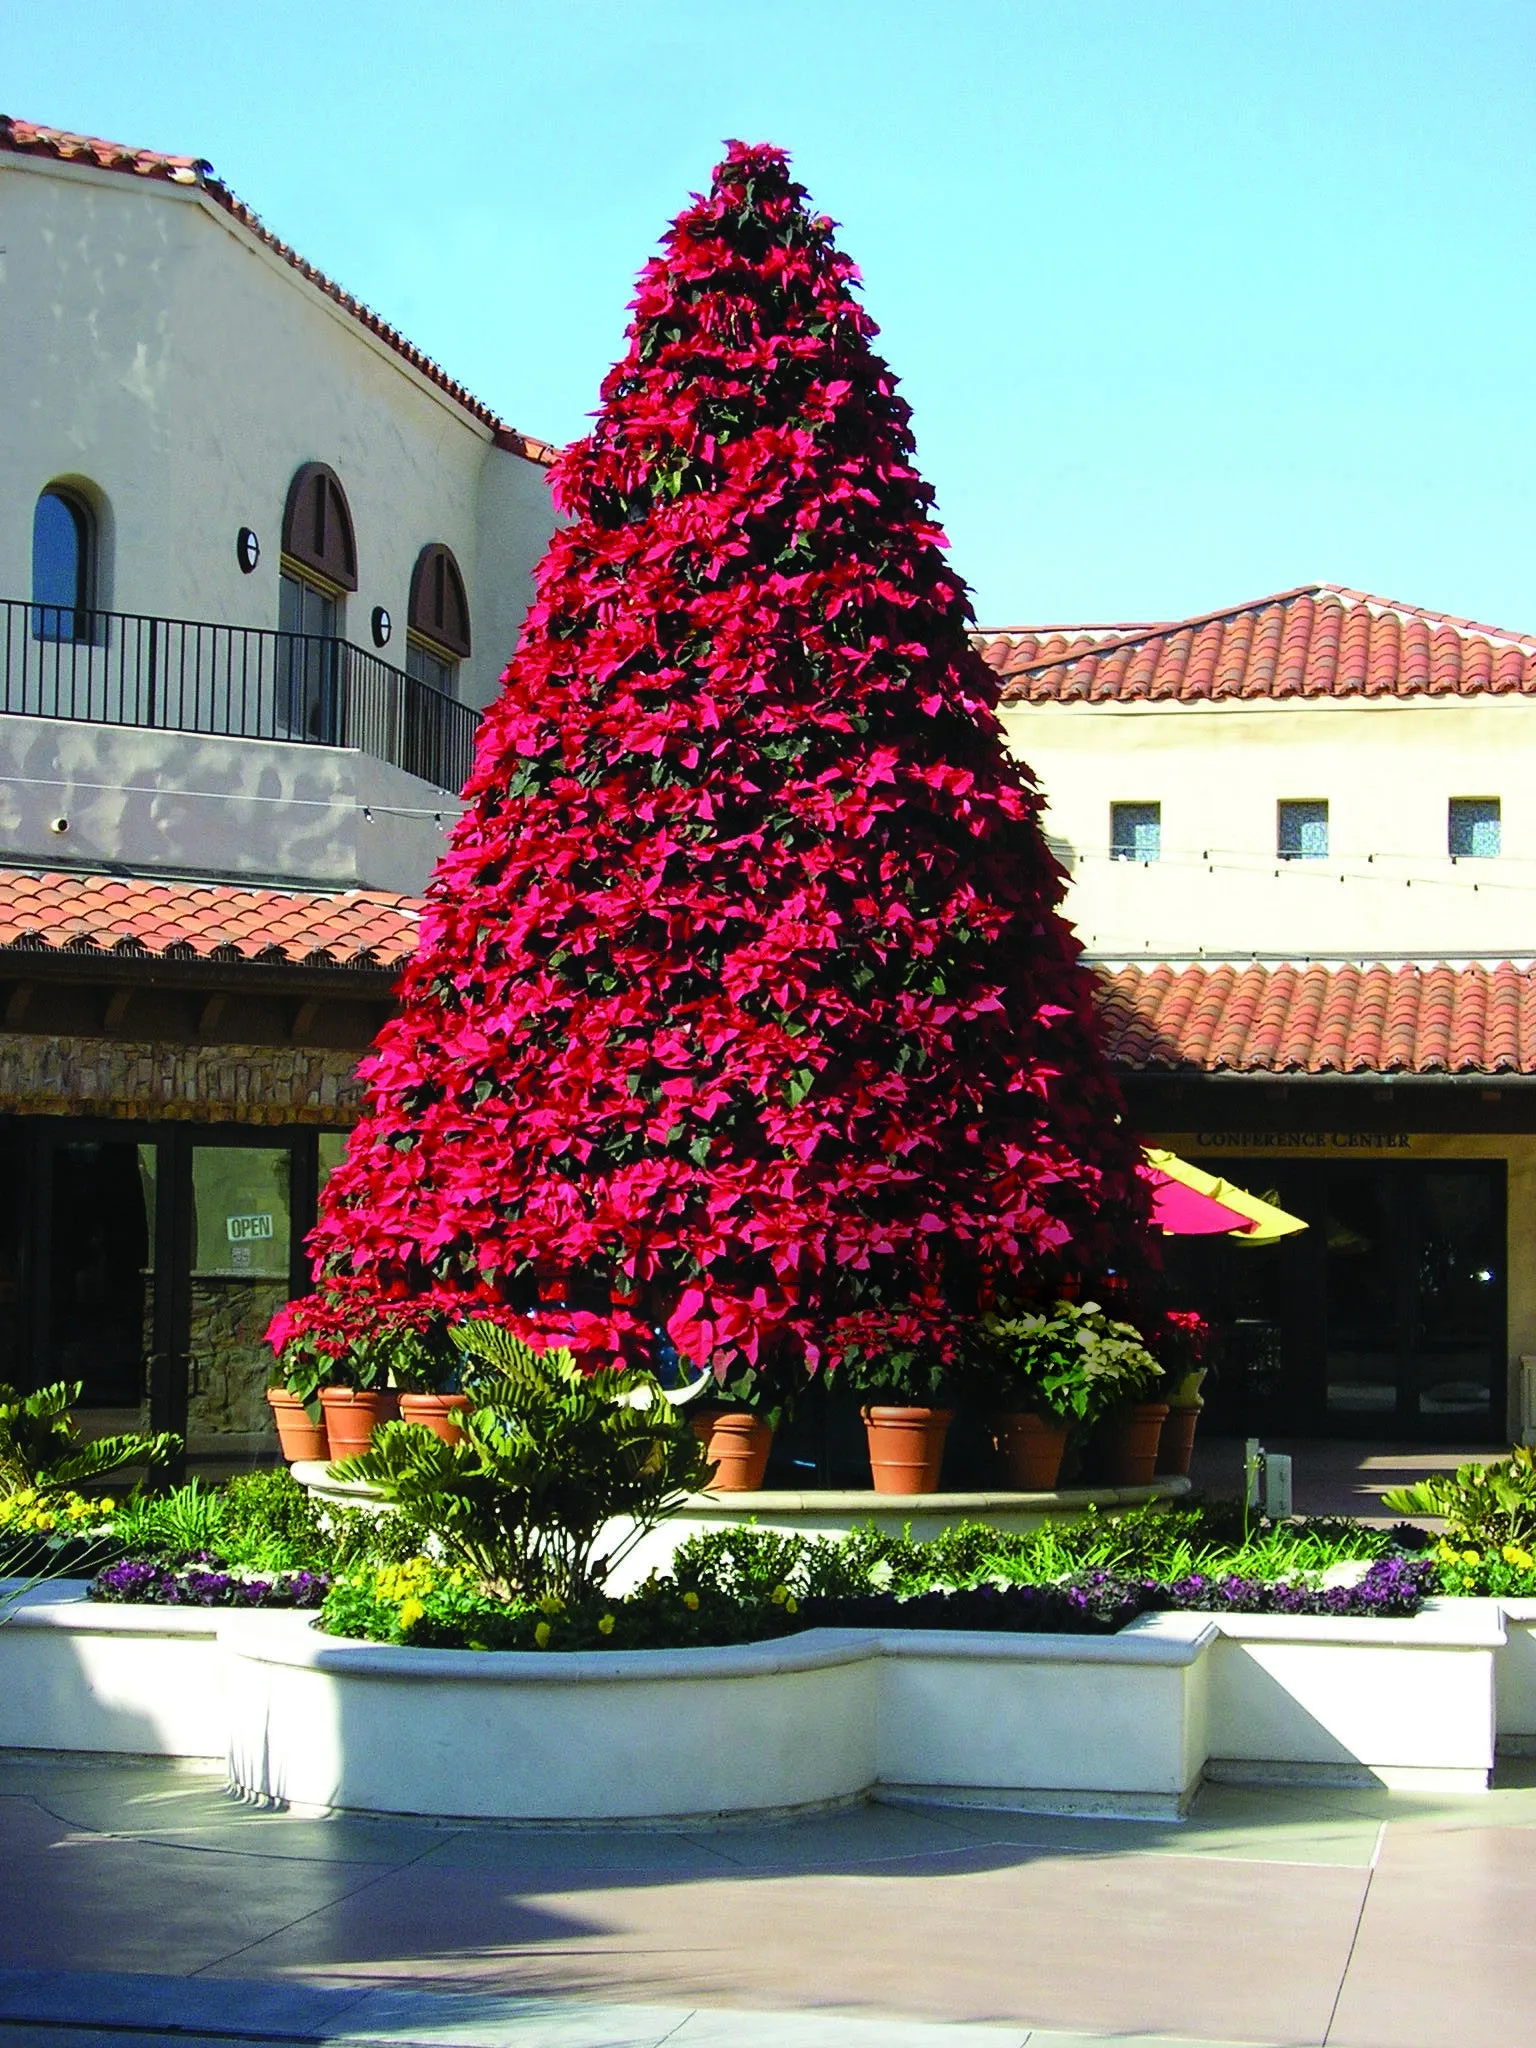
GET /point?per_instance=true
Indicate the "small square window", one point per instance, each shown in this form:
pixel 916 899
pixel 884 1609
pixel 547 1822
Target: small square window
pixel 1474 828
pixel 1303 833
pixel 1135 831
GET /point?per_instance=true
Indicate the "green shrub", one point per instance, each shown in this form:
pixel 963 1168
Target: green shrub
pixel 549 1455
pixel 434 1606
pixel 41 1447
pixel 1483 1506
pixel 1071 1363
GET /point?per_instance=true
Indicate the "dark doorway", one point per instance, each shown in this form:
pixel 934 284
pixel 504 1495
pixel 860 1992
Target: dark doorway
pixel 145 1261
pixel 1386 1317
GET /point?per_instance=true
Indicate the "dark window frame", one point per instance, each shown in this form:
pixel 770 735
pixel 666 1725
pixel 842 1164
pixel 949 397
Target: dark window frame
pixel 1473 811
pixel 75 621
pixel 318 534
pixel 1288 808
pixel 438 610
pixel 1124 848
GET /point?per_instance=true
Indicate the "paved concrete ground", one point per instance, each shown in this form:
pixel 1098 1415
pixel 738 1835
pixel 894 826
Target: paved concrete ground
pixel 138 1898
pixel 1330 1477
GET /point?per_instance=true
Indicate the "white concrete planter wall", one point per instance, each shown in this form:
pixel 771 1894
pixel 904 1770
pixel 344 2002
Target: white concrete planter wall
pixel 77 1674
pixel 1515 1680
pixel 1123 1724
pixel 1407 1704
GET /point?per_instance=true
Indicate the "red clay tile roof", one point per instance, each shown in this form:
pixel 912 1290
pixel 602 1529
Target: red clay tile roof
pixel 1319 641
pixel 84 913
pixel 29 138
pixel 1310 1019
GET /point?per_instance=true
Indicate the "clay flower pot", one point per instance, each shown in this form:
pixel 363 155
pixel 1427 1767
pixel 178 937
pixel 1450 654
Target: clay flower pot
pixel 1030 1449
pixel 1128 1447
pixel 301 1441
pixel 737 1444
pixel 906 1447
pixel 1176 1446
pixel 435 1412
pixel 351 1416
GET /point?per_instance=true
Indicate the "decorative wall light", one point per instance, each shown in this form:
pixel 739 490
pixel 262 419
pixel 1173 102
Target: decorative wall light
pixel 247 550
pixel 383 626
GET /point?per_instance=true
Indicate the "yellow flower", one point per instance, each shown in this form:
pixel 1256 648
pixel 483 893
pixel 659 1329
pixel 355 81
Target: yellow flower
pixel 411 1611
pixel 1471 1557
pixel 542 1634
pixel 551 1603
pixel 691 1602
pixel 779 1595
pixel 791 1604
pixel 605 1625
pixel 1513 1554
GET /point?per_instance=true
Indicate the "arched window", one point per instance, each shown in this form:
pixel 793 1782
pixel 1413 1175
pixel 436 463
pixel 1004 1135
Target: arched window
pixel 317 526
pixel 437 620
pixel 319 566
pixel 63 566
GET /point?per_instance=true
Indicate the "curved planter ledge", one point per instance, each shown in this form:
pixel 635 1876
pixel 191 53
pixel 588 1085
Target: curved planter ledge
pixel 1086 1722
pixel 1124 1724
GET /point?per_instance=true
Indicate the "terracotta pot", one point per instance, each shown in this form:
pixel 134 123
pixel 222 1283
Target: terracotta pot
pixel 1177 1444
pixel 1031 1450
pixel 906 1447
pixel 737 1444
pixel 1128 1447
pixel 435 1412
pixel 302 1441
pixel 351 1416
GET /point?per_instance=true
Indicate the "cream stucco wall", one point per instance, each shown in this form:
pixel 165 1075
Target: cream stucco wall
pixel 163 356
pixel 1387 769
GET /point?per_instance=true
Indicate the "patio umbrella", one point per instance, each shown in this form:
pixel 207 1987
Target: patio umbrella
pixel 1183 1211
pixel 1258 1221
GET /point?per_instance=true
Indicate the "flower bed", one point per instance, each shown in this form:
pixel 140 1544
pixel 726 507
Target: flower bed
pixel 745 1585
pixel 203 1581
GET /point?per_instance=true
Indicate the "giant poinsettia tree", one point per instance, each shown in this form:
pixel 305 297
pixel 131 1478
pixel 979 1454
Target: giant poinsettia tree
pixel 743 1014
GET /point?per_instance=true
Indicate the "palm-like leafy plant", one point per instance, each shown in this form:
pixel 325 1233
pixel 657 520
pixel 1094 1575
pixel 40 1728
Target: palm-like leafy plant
pixel 41 1446
pixel 549 1456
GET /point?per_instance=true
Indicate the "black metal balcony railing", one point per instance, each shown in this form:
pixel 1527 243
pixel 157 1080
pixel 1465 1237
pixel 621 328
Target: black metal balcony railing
pixel 243 682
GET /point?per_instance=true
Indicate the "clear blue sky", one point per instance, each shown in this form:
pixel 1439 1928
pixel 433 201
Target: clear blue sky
pixel 1192 301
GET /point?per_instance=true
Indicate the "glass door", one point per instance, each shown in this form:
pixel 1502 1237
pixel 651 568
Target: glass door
pixel 85 1266
pixel 241 1244
pixel 1415 1299
pixel 145 1262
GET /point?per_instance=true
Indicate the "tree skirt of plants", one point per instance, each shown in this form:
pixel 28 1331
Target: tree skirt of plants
pixel 743 1019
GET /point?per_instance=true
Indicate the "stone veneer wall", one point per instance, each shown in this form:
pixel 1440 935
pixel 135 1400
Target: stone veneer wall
pixel 252 1084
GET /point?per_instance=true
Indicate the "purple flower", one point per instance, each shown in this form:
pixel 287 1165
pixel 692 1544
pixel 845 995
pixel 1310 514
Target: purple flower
pixel 201 1581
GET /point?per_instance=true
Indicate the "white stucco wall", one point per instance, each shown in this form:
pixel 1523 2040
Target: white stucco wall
pixel 158 352
pixel 267 810
pixel 1387 769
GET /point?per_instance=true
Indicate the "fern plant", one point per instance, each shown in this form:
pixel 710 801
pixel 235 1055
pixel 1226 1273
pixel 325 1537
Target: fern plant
pixel 549 1456
pixel 41 1446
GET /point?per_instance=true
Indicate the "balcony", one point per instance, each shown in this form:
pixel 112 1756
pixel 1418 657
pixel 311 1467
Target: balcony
pixel 238 682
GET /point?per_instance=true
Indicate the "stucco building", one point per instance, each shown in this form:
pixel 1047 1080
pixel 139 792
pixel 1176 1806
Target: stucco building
pixel 261 565
pixel 1303 858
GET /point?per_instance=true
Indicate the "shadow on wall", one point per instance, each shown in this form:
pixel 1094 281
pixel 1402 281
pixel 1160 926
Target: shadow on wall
pixel 264 808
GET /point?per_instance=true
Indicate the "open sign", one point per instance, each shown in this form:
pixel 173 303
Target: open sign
pixel 246 1229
